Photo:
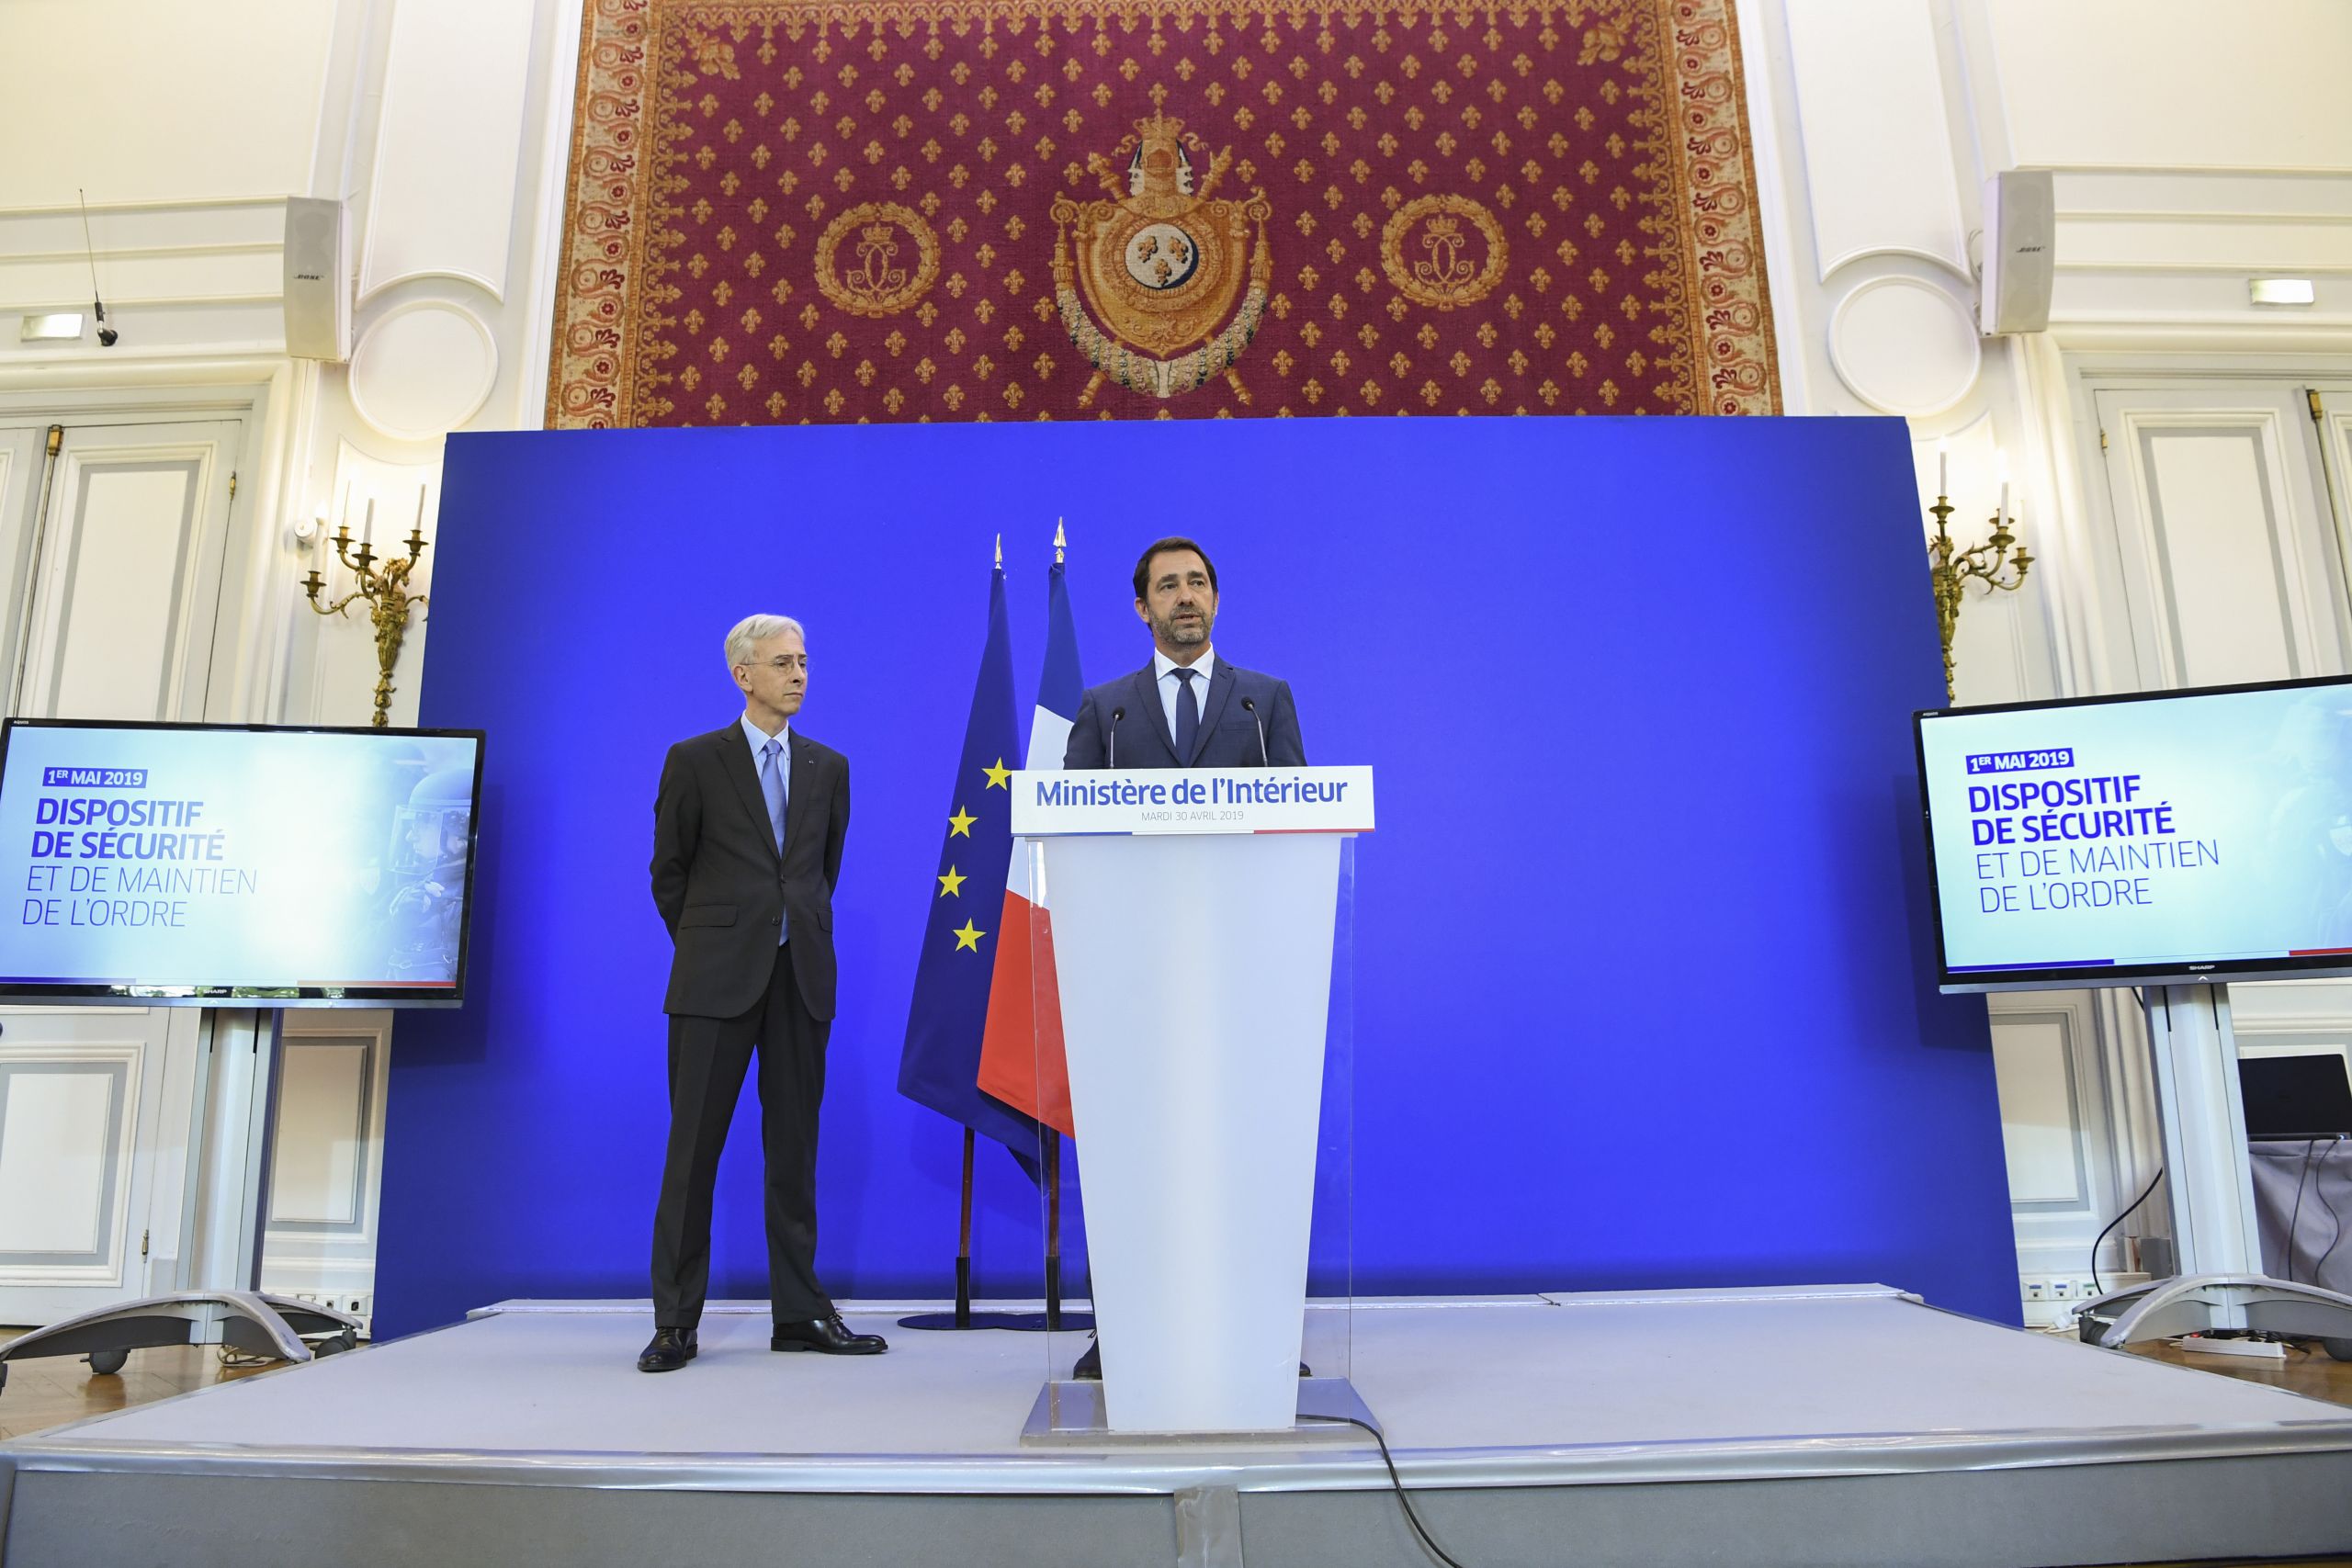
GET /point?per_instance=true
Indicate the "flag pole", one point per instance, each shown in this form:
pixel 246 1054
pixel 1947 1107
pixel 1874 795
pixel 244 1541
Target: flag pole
pixel 964 1244
pixel 1053 1170
pixel 1053 1151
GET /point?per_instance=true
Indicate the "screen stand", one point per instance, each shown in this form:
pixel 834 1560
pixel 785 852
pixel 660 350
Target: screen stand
pixel 241 1316
pixel 2221 1286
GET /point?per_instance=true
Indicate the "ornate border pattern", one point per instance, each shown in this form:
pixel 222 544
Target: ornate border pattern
pixel 615 329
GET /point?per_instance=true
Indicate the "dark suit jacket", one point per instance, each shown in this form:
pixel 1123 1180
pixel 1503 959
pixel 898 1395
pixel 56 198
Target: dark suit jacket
pixel 1228 736
pixel 720 885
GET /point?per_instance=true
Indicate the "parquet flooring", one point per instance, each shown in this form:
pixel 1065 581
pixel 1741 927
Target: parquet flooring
pixel 53 1391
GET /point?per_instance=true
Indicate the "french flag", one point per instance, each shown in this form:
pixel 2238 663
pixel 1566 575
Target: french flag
pixel 1021 1049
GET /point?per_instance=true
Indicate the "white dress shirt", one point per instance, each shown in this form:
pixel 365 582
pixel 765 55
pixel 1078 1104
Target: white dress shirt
pixel 1165 668
pixel 783 738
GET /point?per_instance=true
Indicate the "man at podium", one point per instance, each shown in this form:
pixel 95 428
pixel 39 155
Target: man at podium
pixel 1187 709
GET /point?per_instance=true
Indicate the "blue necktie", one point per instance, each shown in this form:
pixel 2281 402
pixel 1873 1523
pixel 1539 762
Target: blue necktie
pixel 1188 715
pixel 772 786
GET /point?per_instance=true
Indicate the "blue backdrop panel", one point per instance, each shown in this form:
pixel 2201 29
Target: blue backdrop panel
pixel 1642 946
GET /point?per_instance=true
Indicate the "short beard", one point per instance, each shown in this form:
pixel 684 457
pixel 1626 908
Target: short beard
pixel 1176 632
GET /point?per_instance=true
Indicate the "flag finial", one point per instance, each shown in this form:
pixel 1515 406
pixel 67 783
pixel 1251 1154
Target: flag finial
pixel 1061 541
pixel 1000 552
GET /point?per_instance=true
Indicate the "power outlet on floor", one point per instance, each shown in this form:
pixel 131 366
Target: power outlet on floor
pixel 2054 1300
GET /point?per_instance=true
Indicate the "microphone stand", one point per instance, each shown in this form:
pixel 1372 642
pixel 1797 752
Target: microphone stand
pixel 1251 710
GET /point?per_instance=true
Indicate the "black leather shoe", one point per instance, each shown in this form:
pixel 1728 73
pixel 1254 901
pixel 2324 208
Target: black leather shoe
pixel 670 1349
pixel 826 1335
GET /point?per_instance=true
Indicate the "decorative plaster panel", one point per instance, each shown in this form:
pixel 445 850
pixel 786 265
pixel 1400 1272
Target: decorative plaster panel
pixel 421 369
pixel 450 145
pixel 1903 346
pixel 65 1160
pixel 1878 157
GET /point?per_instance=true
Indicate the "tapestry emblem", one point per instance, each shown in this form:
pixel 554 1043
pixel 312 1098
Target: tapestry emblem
pixel 1162 284
pixel 1430 257
pixel 877 258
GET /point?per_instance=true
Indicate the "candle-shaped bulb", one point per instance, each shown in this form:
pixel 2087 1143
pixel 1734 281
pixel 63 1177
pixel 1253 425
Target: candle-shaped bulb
pixel 367 527
pixel 1943 468
pixel 2002 522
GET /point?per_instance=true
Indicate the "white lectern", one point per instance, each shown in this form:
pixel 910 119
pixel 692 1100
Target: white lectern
pixel 1191 916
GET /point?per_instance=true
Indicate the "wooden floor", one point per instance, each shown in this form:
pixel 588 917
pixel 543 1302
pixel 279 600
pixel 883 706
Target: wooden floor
pixel 44 1393
pixel 53 1390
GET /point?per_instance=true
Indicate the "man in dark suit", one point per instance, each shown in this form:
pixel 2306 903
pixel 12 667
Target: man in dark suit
pixel 748 826
pixel 1187 709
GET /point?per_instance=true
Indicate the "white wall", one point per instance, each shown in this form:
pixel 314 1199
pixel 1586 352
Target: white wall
pixel 2193 147
pixel 2172 84
pixel 159 100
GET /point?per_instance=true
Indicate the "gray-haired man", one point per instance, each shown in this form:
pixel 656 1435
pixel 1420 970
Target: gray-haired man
pixel 747 846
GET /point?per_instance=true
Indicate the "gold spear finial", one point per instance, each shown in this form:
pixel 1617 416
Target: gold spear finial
pixel 1061 541
pixel 1000 552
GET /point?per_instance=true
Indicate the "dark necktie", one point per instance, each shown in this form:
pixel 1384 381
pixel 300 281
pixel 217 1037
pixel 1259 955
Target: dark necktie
pixel 1188 715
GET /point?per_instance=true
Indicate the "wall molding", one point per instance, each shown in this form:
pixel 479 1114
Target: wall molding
pixel 1866 382
pixel 112 1266
pixel 372 380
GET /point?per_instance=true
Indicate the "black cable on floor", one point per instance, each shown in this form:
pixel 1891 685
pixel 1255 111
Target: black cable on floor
pixel 2097 1288
pixel 1396 1482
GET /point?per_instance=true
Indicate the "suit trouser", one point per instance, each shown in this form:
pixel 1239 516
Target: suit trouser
pixel 709 1057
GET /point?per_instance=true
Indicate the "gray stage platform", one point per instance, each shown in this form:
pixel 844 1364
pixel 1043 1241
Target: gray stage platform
pixel 1830 1425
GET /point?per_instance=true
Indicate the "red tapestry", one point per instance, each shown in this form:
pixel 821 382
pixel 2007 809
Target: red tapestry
pixel 793 210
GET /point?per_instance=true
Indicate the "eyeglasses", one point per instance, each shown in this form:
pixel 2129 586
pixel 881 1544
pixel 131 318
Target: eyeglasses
pixel 781 666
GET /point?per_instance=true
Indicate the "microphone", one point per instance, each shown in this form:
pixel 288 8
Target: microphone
pixel 1116 715
pixel 1251 710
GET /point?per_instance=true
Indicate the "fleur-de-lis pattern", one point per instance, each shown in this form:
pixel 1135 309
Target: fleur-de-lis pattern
pixel 786 211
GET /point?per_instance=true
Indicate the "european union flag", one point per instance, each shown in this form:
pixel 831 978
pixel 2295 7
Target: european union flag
pixel 940 1065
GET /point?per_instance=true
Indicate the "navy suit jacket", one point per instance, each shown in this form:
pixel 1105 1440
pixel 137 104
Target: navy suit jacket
pixel 1228 734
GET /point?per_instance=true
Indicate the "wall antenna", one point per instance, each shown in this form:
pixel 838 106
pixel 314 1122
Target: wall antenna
pixel 108 336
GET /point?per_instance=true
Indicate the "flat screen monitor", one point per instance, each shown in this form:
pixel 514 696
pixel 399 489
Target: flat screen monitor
pixel 2173 837
pixel 2305 1095
pixel 236 866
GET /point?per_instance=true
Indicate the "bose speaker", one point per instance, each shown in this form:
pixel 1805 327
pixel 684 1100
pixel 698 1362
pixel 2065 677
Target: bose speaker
pixel 2020 217
pixel 318 280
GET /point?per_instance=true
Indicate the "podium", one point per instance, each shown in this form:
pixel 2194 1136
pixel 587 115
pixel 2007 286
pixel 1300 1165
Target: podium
pixel 1191 921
